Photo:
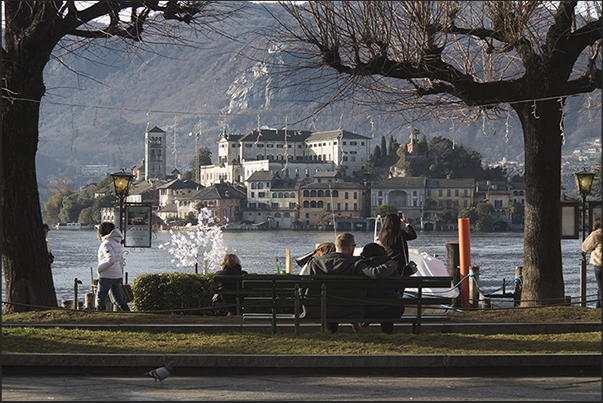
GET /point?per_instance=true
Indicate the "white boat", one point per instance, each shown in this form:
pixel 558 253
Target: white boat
pixel 426 266
pixel 71 225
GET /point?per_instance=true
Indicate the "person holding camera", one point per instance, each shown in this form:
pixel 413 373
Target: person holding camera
pixel 393 237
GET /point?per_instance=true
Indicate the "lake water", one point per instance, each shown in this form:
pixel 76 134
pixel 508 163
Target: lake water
pixel 496 254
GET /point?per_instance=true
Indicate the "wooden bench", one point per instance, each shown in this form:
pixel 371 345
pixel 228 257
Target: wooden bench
pixel 264 295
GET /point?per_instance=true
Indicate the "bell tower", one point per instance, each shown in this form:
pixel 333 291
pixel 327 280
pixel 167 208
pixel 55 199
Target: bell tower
pixel 155 154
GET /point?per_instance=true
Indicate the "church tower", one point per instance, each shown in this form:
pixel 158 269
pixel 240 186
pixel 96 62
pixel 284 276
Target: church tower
pixel 155 154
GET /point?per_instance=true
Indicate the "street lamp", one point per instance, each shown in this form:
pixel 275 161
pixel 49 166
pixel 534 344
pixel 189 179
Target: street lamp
pixel 584 181
pixel 121 183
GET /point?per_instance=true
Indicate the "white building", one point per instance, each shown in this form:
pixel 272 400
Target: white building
pixel 295 154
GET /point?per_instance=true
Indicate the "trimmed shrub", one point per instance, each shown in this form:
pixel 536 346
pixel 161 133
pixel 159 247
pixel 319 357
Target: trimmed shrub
pixel 178 293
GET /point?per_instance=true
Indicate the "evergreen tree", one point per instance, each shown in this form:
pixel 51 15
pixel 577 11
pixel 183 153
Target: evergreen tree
pixel 383 147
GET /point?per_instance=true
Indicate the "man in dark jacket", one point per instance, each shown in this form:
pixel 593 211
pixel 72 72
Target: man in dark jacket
pixel 344 262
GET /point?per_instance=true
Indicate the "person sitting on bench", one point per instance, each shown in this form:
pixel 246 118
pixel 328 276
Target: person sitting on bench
pixel 343 262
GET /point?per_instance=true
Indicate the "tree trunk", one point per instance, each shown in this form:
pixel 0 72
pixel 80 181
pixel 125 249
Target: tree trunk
pixel 24 255
pixel 542 264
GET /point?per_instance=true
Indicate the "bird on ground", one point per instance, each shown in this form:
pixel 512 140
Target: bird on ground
pixel 161 373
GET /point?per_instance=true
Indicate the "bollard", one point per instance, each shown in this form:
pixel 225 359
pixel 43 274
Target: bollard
pixel 473 287
pixel 90 299
pixel 452 265
pixel 75 283
pixel 464 259
pixel 288 262
pixel 485 301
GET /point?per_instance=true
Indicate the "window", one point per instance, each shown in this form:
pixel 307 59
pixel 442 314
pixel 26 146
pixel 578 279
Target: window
pixel 346 207
pixel 252 194
pixel 353 143
pixel 248 145
pixel 355 206
pixel 338 206
pixel 456 193
pixel 448 193
pixel 280 146
pixel 274 195
pixel 259 145
pixel 355 195
pixel 269 145
pixel 261 194
pixel 345 196
pixel 440 193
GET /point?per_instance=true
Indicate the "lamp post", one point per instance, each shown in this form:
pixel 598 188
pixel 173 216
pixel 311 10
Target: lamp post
pixel 584 181
pixel 121 182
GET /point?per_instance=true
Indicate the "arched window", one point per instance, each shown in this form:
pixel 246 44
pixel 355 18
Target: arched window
pixel 313 204
pixel 335 193
pixel 327 193
pixel 306 193
pixel 306 204
pixel 260 157
pixel 274 195
pixel 280 195
pixel 380 193
pixel 254 185
pixel 320 204
pixel 321 193
pixel 312 193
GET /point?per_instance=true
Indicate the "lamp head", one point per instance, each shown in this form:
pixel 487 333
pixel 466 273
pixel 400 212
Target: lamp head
pixel 121 182
pixel 584 181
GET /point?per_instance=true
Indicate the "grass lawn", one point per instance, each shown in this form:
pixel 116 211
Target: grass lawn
pixel 30 340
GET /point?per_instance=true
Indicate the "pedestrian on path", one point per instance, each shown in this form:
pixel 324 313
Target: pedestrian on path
pixel 593 245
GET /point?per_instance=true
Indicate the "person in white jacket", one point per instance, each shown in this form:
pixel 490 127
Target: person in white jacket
pixel 110 266
pixel 594 244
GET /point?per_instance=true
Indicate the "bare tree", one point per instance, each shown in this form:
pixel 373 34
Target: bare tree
pixel 461 59
pixel 35 32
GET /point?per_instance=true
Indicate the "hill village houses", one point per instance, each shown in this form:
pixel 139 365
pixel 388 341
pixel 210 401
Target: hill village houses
pixel 290 179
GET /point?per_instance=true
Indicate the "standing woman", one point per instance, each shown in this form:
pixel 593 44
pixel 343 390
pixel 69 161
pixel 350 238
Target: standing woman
pixel 110 266
pixel 593 245
pixel 394 238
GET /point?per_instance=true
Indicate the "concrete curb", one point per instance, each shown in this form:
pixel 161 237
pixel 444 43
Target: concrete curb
pixel 466 328
pixel 392 365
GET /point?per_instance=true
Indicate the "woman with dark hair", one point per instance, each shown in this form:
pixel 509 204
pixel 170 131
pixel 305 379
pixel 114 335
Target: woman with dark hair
pixel 394 238
pixel 375 254
pixel 322 249
pixel 231 266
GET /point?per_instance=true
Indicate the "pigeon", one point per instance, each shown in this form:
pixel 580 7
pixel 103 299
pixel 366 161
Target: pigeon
pixel 161 373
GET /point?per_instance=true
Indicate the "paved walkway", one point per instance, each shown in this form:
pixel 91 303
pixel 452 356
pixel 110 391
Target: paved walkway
pixel 281 388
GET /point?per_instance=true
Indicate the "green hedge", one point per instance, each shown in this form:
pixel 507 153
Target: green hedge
pixel 180 293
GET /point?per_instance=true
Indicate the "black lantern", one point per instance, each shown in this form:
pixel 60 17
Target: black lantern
pixel 584 182
pixel 121 183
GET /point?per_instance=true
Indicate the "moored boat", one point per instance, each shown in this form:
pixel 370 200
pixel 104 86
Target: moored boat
pixel 71 225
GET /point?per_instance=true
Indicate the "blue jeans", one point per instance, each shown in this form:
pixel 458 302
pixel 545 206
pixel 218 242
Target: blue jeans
pixel 113 284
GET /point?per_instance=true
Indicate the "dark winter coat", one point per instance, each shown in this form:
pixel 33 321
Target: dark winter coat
pixel 399 250
pixel 349 265
pixel 230 285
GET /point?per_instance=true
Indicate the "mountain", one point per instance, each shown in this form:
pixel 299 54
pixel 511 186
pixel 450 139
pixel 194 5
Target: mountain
pixel 99 104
